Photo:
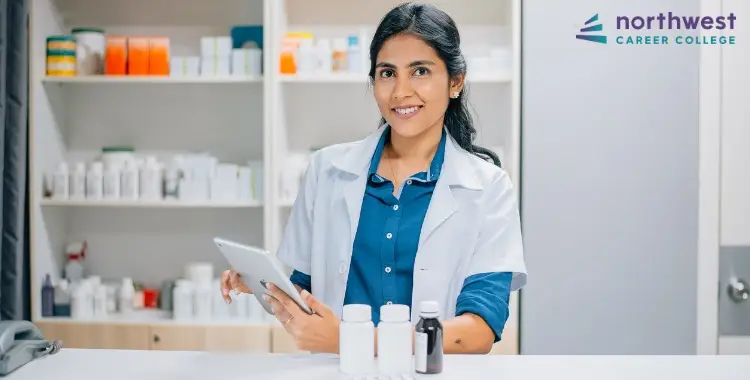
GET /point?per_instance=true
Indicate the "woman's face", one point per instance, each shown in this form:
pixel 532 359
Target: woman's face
pixel 412 86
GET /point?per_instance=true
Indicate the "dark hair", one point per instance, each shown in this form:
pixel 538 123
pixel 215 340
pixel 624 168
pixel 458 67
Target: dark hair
pixel 438 30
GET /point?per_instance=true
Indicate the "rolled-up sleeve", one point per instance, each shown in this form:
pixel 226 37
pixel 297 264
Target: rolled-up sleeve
pixel 497 265
pixel 302 280
pixel 487 295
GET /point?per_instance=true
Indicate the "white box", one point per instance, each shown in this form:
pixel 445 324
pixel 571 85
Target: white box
pixel 216 46
pixel 185 66
pixel 215 67
pixel 247 62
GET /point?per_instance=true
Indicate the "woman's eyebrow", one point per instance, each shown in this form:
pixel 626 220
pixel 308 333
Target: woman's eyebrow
pixel 423 62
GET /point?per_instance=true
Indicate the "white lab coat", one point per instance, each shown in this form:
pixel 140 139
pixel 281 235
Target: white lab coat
pixel 472 225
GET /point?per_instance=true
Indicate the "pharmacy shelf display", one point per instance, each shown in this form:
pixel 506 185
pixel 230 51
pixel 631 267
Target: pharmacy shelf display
pixel 198 115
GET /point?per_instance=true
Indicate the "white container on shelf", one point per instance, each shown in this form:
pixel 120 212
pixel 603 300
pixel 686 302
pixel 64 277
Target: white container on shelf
pixel 325 56
pixel 203 301
pixel 100 300
pixel 221 311
pixel 200 273
pixel 112 177
pixel 182 298
pixel 125 296
pixel 185 66
pixel 78 182
pixel 220 46
pixel 241 309
pixel 216 66
pixel 245 184
pixel 255 311
pixel 90 49
pixel 151 180
pixel 129 181
pixel 61 182
pixel 95 181
pixel 81 302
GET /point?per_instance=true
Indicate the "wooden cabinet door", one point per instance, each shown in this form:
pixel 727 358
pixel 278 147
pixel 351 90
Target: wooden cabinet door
pixel 239 338
pixel 96 335
pixel 281 341
pixel 178 337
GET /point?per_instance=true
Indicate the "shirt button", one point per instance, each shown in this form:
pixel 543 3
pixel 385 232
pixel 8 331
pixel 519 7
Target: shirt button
pixel 395 207
pixel 408 182
pixel 389 303
pixel 388 235
pixel 387 269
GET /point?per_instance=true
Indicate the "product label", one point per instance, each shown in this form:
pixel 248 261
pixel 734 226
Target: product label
pixel 420 352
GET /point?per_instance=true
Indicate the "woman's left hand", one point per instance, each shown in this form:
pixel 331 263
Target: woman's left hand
pixel 318 332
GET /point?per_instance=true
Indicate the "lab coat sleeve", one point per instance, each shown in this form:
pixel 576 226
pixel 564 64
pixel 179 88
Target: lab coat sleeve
pixel 294 250
pixel 499 246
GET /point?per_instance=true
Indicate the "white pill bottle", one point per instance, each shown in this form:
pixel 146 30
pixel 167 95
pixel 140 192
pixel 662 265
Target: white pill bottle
pixel 357 341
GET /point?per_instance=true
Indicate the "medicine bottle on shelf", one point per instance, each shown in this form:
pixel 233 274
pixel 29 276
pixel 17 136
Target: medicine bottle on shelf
pixel 61 182
pixel 95 181
pixel 78 182
pixel 394 341
pixel 428 340
pixel 357 340
pixel 339 55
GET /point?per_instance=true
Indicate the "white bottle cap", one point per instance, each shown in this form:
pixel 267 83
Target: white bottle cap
pixel 394 313
pixel 428 308
pixel 357 313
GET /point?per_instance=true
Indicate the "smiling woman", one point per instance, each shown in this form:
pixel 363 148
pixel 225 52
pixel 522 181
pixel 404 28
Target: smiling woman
pixel 414 212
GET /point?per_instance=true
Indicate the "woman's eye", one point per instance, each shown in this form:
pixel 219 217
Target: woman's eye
pixel 386 73
pixel 420 71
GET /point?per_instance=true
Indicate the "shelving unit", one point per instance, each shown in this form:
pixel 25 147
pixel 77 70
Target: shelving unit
pixel 236 119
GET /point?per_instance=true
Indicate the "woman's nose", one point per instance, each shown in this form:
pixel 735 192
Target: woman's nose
pixel 403 88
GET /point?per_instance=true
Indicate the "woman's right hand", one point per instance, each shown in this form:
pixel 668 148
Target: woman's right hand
pixel 230 279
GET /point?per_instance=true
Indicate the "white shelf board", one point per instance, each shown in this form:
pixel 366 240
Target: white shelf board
pixel 150 204
pixel 363 79
pixel 127 79
pixel 154 317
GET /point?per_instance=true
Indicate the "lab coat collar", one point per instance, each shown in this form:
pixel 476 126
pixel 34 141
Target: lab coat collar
pixel 456 165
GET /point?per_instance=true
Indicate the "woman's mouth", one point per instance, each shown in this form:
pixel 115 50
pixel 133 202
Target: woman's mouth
pixel 406 112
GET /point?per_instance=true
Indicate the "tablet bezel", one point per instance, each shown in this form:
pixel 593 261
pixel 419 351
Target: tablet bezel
pixel 245 259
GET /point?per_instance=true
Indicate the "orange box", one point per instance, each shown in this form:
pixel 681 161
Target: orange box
pixel 159 56
pixel 116 56
pixel 138 55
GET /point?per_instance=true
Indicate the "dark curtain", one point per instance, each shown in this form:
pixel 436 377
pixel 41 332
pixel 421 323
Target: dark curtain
pixel 15 291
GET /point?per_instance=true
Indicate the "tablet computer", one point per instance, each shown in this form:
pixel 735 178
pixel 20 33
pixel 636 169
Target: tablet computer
pixel 259 268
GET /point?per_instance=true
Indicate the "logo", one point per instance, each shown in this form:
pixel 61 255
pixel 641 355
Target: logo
pixel 664 28
pixel 587 28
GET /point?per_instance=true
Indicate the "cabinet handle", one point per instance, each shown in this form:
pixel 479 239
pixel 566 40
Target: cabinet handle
pixel 738 290
pixel 156 338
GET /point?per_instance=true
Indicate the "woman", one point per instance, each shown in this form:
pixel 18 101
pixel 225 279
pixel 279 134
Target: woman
pixel 413 212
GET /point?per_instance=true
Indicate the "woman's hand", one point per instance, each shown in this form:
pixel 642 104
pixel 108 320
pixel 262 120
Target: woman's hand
pixel 230 279
pixel 318 332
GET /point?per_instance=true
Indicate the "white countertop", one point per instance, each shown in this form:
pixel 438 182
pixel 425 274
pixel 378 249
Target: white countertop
pixel 181 365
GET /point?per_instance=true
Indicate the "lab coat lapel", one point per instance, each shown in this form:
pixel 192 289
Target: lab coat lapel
pixel 355 164
pixel 457 173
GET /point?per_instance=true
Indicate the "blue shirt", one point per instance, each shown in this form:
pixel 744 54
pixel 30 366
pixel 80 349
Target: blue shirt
pixel 386 242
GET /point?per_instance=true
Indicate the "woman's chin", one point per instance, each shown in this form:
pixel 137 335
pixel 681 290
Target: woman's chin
pixel 406 130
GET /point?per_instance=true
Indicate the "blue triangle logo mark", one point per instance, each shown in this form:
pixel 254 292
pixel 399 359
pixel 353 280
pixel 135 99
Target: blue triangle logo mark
pixel 589 26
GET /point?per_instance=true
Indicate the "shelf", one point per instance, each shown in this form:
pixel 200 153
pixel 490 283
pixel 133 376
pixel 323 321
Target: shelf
pixel 363 79
pixel 103 79
pixel 150 204
pixel 155 317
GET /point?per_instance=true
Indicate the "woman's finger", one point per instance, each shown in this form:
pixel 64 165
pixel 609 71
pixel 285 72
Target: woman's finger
pixel 285 300
pixel 225 286
pixel 318 307
pixel 237 283
pixel 279 311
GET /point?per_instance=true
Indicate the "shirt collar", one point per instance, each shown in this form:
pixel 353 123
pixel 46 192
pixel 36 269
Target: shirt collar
pixel 433 171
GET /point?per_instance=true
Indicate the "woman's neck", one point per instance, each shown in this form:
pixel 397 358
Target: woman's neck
pixel 420 147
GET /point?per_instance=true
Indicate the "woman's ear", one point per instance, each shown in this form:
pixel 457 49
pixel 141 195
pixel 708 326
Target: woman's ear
pixel 457 85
